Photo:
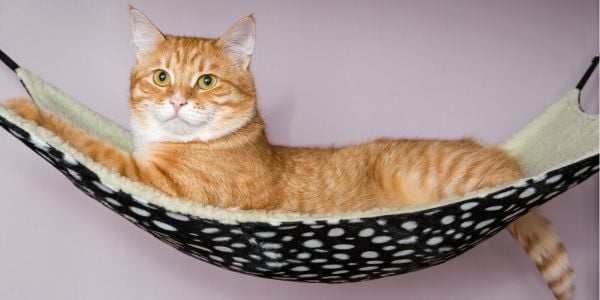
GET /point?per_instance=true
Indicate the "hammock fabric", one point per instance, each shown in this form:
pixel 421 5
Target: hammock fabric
pixel 558 150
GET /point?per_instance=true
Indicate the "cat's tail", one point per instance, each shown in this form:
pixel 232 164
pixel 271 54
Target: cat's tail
pixel 537 237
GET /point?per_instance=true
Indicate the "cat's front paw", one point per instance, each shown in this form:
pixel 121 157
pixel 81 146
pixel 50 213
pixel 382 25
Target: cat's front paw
pixel 25 108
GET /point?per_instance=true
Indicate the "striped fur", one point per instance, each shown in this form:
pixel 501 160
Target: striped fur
pixel 537 237
pixel 213 150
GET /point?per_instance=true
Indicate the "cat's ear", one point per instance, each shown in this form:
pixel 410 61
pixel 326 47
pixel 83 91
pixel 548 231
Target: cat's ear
pixel 145 35
pixel 238 41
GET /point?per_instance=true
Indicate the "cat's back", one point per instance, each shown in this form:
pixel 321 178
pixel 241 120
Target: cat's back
pixel 329 179
pixel 386 172
pixel 381 151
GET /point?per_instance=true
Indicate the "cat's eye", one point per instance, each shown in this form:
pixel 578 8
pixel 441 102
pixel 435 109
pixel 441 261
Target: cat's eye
pixel 207 81
pixel 161 78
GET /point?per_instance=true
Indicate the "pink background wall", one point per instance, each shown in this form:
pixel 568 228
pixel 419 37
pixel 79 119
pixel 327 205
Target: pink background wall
pixel 328 72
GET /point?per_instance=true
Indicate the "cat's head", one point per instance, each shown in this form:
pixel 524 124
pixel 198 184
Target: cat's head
pixel 189 88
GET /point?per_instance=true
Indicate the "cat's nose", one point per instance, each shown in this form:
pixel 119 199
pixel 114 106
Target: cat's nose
pixel 178 103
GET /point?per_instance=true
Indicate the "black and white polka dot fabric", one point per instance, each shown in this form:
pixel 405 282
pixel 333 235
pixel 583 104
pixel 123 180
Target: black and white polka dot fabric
pixel 325 251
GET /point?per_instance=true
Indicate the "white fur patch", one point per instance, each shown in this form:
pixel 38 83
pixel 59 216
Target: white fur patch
pixel 154 122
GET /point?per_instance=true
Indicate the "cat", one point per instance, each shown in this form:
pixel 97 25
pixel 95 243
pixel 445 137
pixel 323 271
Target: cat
pixel 199 136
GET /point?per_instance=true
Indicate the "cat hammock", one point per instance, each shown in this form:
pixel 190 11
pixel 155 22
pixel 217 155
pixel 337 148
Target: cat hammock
pixel 558 150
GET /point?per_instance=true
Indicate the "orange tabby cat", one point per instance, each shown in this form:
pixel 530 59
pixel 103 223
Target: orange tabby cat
pixel 198 136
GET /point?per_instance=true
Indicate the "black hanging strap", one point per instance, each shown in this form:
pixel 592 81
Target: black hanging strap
pixel 8 61
pixel 14 66
pixel 588 73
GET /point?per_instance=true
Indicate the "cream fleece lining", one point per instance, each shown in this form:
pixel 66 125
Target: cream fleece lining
pixel 560 136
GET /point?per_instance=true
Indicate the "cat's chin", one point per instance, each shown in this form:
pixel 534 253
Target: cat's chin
pixel 148 130
pixel 173 130
pixel 179 126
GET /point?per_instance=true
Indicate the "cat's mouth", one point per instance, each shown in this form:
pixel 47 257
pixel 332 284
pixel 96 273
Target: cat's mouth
pixel 180 121
pixel 177 118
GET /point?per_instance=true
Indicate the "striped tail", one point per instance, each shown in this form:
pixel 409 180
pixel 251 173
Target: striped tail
pixel 536 235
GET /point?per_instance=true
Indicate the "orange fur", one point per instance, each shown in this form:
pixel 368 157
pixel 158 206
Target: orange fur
pixel 241 169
